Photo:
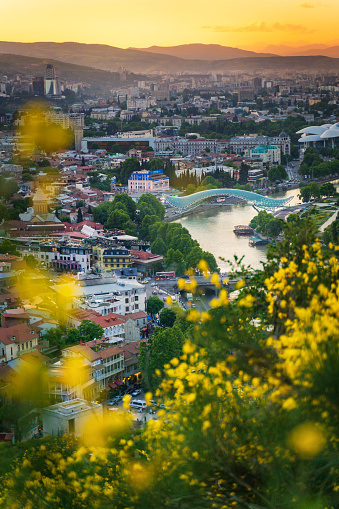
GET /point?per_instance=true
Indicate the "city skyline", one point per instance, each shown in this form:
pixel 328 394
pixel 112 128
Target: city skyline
pixel 244 25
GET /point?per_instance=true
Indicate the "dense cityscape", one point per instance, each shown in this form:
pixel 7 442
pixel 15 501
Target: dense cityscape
pixel 168 281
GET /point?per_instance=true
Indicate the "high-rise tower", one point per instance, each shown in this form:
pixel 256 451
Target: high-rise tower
pixel 51 87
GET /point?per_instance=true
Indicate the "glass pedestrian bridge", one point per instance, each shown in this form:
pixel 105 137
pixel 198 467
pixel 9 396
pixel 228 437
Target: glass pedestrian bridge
pixel 184 203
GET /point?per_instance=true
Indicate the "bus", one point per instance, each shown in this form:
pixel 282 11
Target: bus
pixel 164 275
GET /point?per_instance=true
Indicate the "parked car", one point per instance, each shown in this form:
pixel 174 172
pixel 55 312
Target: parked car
pixel 112 402
pixel 136 392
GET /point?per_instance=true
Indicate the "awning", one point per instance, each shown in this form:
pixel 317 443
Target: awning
pixel 144 328
pixel 118 382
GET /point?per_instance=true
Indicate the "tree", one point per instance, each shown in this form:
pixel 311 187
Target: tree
pixel 190 189
pixel 210 260
pixel 89 330
pixel 8 187
pixel 154 355
pixel 147 222
pixel 305 194
pixel 194 256
pixel 167 317
pixel 327 189
pixel 154 305
pixel 275 227
pixel 79 216
pixel 158 246
pixel 56 337
pixel 126 200
pixel 243 173
pixel 151 201
pixel 31 262
pixel 120 220
pixel 8 247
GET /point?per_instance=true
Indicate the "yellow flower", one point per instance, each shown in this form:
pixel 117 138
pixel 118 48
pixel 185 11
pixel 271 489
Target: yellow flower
pixel 307 440
pixel 215 303
pixel 289 404
pixel 240 284
pixel 188 348
pixel 215 280
pixel 203 267
pixel 247 301
pixel 193 316
pixel 148 397
pixel 181 283
pixel 205 316
pixel 206 425
pixel 169 300
pixel 126 401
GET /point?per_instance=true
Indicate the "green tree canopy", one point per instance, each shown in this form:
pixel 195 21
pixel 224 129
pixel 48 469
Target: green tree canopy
pixel 167 317
pixel 8 247
pixel 154 305
pixel 8 187
pixel 165 345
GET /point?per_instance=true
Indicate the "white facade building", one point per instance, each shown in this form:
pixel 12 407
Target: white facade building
pixel 189 146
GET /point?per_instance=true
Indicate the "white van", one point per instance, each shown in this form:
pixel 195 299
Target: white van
pixel 138 404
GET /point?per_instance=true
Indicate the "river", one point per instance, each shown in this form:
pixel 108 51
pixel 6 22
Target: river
pixel 213 229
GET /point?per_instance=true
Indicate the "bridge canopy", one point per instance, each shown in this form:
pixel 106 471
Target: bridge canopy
pixel 191 201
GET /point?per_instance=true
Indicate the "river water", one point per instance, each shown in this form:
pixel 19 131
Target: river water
pixel 213 229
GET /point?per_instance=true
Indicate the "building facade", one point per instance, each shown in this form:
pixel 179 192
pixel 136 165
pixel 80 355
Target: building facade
pixel 148 182
pixel 106 259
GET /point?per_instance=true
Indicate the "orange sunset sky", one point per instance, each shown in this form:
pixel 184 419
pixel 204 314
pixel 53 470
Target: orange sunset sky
pixel 141 23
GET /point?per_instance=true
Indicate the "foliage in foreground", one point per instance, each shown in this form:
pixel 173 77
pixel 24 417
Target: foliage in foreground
pixel 251 418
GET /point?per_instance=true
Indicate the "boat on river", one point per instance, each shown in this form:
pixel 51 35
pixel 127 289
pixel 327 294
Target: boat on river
pixel 243 230
pixel 257 241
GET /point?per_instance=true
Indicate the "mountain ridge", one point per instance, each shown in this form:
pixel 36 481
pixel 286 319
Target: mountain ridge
pixel 198 51
pixel 108 59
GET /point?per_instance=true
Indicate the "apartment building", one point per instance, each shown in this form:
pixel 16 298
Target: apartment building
pixel 16 340
pixel 104 363
pixel 239 144
pixel 267 154
pixel 63 255
pixel 190 146
pixel 148 182
pixel 102 286
pixel 107 259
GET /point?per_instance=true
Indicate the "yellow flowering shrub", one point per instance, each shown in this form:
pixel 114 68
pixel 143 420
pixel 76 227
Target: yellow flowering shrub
pixel 250 417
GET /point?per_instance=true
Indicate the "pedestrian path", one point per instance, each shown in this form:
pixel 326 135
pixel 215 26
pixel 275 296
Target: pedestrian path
pixel 329 221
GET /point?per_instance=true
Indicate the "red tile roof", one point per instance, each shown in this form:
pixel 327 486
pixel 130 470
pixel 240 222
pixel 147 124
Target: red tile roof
pixel 143 255
pixel 20 332
pixel 111 350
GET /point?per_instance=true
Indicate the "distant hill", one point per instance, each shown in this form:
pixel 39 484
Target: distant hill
pixel 99 56
pixel 285 50
pixel 202 52
pixel 332 52
pixel 99 80
pixel 293 63
pixel 94 63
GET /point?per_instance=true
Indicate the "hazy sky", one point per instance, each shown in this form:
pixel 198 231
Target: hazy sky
pixel 142 23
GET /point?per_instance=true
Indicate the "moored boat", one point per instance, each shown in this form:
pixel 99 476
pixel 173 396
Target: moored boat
pixel 243 230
